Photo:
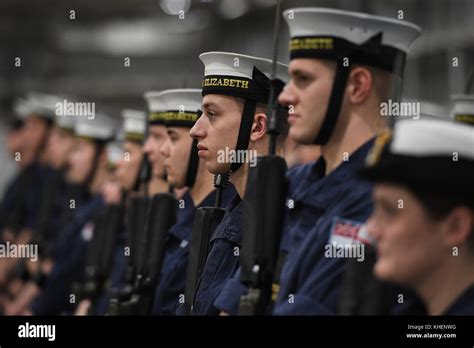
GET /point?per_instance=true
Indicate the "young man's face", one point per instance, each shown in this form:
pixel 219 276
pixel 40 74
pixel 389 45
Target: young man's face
pixel 14 141
pixel 81 161
pixel 176 150
pixel 216 129
pixel 34 131
pixel 307 95
pixel 59 146
pixel 157 136
pixel 129 165
pixel 410 243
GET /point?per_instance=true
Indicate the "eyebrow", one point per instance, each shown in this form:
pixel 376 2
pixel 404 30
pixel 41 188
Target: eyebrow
pixel 208 105
pixel 298 71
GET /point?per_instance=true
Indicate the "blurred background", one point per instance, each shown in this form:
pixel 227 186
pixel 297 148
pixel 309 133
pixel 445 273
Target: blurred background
pixel 112 51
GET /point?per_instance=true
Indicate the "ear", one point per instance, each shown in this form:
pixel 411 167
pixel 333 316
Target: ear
pixel 359 85
pixel 458 226
pixel 259 126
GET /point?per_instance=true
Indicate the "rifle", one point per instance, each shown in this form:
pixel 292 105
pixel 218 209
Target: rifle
pixel 161 218
pixel 205 223
pixel 149 221
pixel 263 208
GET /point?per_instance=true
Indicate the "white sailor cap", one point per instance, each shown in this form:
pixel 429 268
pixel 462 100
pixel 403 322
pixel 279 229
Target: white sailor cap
pixel 156 108
pixel 37 104
pixel 114 153
pixel 239 75
pixel 183 106
pixel 463 108
pixel 100 128
pixel 425 155
pixel 134 125
pixel 429 109
pixel 334 34
pixel 21 108
pixel 66 122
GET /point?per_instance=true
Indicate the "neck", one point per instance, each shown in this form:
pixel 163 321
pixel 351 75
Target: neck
pixel 203 185
pixel 239 179
pixel 360 127
pixel 443 287
pixel 100 177
pixel 158 185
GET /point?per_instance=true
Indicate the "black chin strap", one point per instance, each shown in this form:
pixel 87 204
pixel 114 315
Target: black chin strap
pixel 245 129
pixel 95 164
pixel 193 164
pixel 334 105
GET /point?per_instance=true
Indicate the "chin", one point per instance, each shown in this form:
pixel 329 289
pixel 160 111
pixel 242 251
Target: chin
pixel 175 182
pixel 300 137
pixel 382 270
pixel 216 168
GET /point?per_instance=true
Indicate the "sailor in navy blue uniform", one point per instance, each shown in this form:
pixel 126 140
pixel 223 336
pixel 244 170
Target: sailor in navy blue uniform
pixel 19 207
pixel 423 220
pixel 88 164
pixel 233 121
pixel 343 65
pixel 184 169
pixel 19 213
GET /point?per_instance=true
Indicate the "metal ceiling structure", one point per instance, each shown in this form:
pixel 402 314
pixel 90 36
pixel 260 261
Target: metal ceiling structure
pixel 84 53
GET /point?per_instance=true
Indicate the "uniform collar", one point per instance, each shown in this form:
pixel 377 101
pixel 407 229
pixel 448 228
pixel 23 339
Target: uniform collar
pixel 464 304
pixel 318 189
pixel 230 227
pixel 185 215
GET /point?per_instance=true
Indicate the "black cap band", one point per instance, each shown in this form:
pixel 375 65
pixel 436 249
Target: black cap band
pixel 256 88
pixel 371 52
pixel 464 118
pixel 156 118
pixel 175 118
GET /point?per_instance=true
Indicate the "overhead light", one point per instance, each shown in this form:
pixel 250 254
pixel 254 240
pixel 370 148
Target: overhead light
pixel 174 7
pixel 232 9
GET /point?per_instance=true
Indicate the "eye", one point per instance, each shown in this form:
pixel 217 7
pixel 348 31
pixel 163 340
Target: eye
pixel 211 115
pixel 302 79
pixel 389 209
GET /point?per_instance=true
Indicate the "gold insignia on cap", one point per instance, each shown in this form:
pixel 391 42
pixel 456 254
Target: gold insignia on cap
pixel 312 43
pixel 156 116
pixel 181 116
pixel 465 118
pixel 225 82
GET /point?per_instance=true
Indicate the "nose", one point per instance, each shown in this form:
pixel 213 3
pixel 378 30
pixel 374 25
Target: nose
pixel 147 145
pixel 372 227
pixel 165 148
pixel 198 130
pixel 287 96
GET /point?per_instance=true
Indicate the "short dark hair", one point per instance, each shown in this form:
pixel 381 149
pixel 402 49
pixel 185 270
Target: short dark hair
pixel 262 108
pixel 439 206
